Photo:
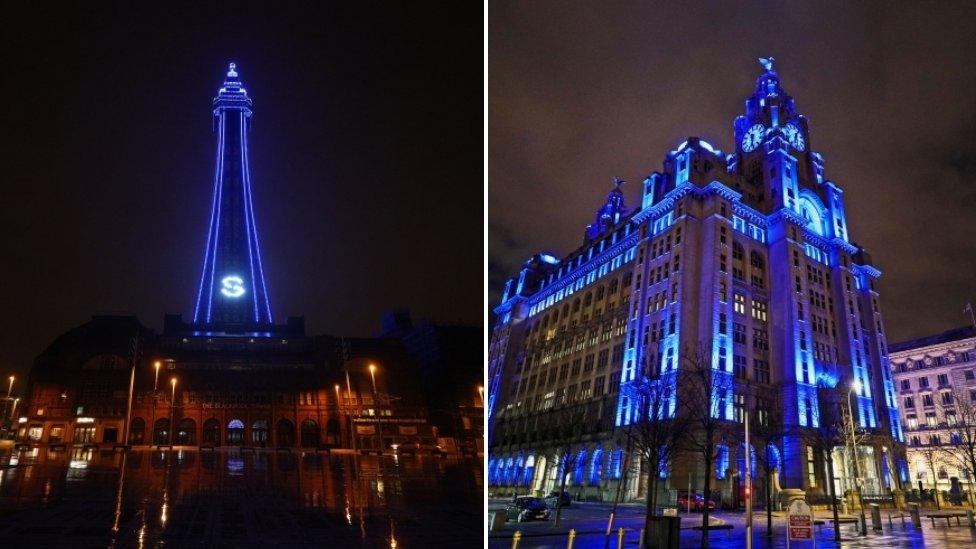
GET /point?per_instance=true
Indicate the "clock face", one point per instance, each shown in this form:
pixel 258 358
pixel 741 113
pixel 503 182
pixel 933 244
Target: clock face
pixel 794 137
pixel 753 137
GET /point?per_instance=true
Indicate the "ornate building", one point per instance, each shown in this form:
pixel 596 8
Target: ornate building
pixel 232 377
pixel 743 257
pixel 936 381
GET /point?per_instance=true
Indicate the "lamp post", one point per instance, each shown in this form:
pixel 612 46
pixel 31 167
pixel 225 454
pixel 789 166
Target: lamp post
pixel 156 365
pixel 10 387
pixel 856 386
pixel 172 415
pixel 13 409
pixel 376 406
pixel 339 412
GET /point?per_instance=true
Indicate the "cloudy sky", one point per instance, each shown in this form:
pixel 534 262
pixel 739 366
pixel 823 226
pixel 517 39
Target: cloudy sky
pixel 580 92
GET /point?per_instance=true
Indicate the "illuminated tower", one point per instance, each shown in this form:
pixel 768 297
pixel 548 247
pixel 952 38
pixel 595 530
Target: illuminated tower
pixel 232 287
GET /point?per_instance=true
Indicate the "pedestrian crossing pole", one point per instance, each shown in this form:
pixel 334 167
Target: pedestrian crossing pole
pixel 748 486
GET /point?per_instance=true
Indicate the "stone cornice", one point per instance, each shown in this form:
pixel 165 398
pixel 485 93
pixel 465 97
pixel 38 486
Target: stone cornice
pixel 789 216
pixel 665 204
pixel 584 269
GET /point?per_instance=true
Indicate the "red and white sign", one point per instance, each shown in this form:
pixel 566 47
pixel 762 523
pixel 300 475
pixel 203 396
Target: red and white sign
pixel 800 521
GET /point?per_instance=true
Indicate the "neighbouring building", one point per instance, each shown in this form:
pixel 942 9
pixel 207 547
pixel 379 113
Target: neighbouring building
pixel 232 377
pixel 936 381
pixel 744 256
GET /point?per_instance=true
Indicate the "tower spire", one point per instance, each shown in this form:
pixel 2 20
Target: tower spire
pixel 232 288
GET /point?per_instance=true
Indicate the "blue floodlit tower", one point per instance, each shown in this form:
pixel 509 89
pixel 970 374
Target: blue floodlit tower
pixel 232 287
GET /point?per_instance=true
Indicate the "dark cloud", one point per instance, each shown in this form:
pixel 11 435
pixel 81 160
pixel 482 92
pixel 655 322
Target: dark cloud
pixel 579 93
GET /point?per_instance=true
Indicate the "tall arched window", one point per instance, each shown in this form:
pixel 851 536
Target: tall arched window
pixel 186 431
pixel 259 432
pixel 310 434
pixel 285 433
pixel 137 433
pixel 211 432
pixel 596 466
pixel 235 432
pixel 579 471
pixel 161 431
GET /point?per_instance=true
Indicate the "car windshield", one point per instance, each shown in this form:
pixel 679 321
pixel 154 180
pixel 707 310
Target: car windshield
pixel 531 503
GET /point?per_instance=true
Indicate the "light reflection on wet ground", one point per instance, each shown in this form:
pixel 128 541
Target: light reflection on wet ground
pixel 78 498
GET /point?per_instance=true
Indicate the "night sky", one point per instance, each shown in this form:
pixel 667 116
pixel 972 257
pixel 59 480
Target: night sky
pixel 580 94
pixel 366 160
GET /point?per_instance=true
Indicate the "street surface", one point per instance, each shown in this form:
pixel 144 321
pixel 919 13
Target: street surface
pixel 590 522
pixel 228 498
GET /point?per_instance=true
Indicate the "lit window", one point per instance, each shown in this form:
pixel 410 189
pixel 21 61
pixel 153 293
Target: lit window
pixel 740 303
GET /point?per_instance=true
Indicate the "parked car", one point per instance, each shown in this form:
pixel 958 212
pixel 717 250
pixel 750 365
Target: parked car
pixel 553 497
pixel 527 508
pixel 697 502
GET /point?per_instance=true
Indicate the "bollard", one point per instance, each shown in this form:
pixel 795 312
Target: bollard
pixel 969 517
pixel 620 538
pixel 913 512
pixel 876 517
pixel 572 537
pixel 516 538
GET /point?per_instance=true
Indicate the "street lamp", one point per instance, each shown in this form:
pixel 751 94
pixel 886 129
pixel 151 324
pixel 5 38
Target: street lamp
pixel 481 394
pixel 856 387
pixel 172 415
pixel 13 409
pixel 156 365
pixel 376 403
pixel 10 387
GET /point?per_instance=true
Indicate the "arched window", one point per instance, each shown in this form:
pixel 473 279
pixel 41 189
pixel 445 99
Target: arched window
pixel 738 253
pixel 211 432
pixel 259 432
pixel 616 464
pixel 332 431
pixel 285 433
pixel 721 461
pixel 740 461
pixel 774 457
pixel 811 212
pixel 756 260
pixel 310 434
pixel 579 471
pixel 529 471
pixel 596 465
pixel 161 431
pixel 235 432
pixel 137 433
pixel 186 431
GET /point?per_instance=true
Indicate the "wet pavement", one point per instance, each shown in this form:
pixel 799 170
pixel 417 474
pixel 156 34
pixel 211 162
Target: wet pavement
pixel 229 498
pixel 590 522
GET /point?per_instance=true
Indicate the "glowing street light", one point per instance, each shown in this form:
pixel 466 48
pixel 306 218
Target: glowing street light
pixel 481 393
pixel 10 387
pixel 156 365
pixel 172 415
pixel 13 410
pixel 372 376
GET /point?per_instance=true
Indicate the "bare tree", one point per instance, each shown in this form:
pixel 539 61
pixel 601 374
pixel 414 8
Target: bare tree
pixel 571 421
pixel 705 393
pixel 768 432
pixel 654 431
pixel 960 414
pixel 933 455
pixel 827 432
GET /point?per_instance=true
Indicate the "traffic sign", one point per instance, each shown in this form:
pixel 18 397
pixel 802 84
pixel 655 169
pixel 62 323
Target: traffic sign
pixel 799 519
